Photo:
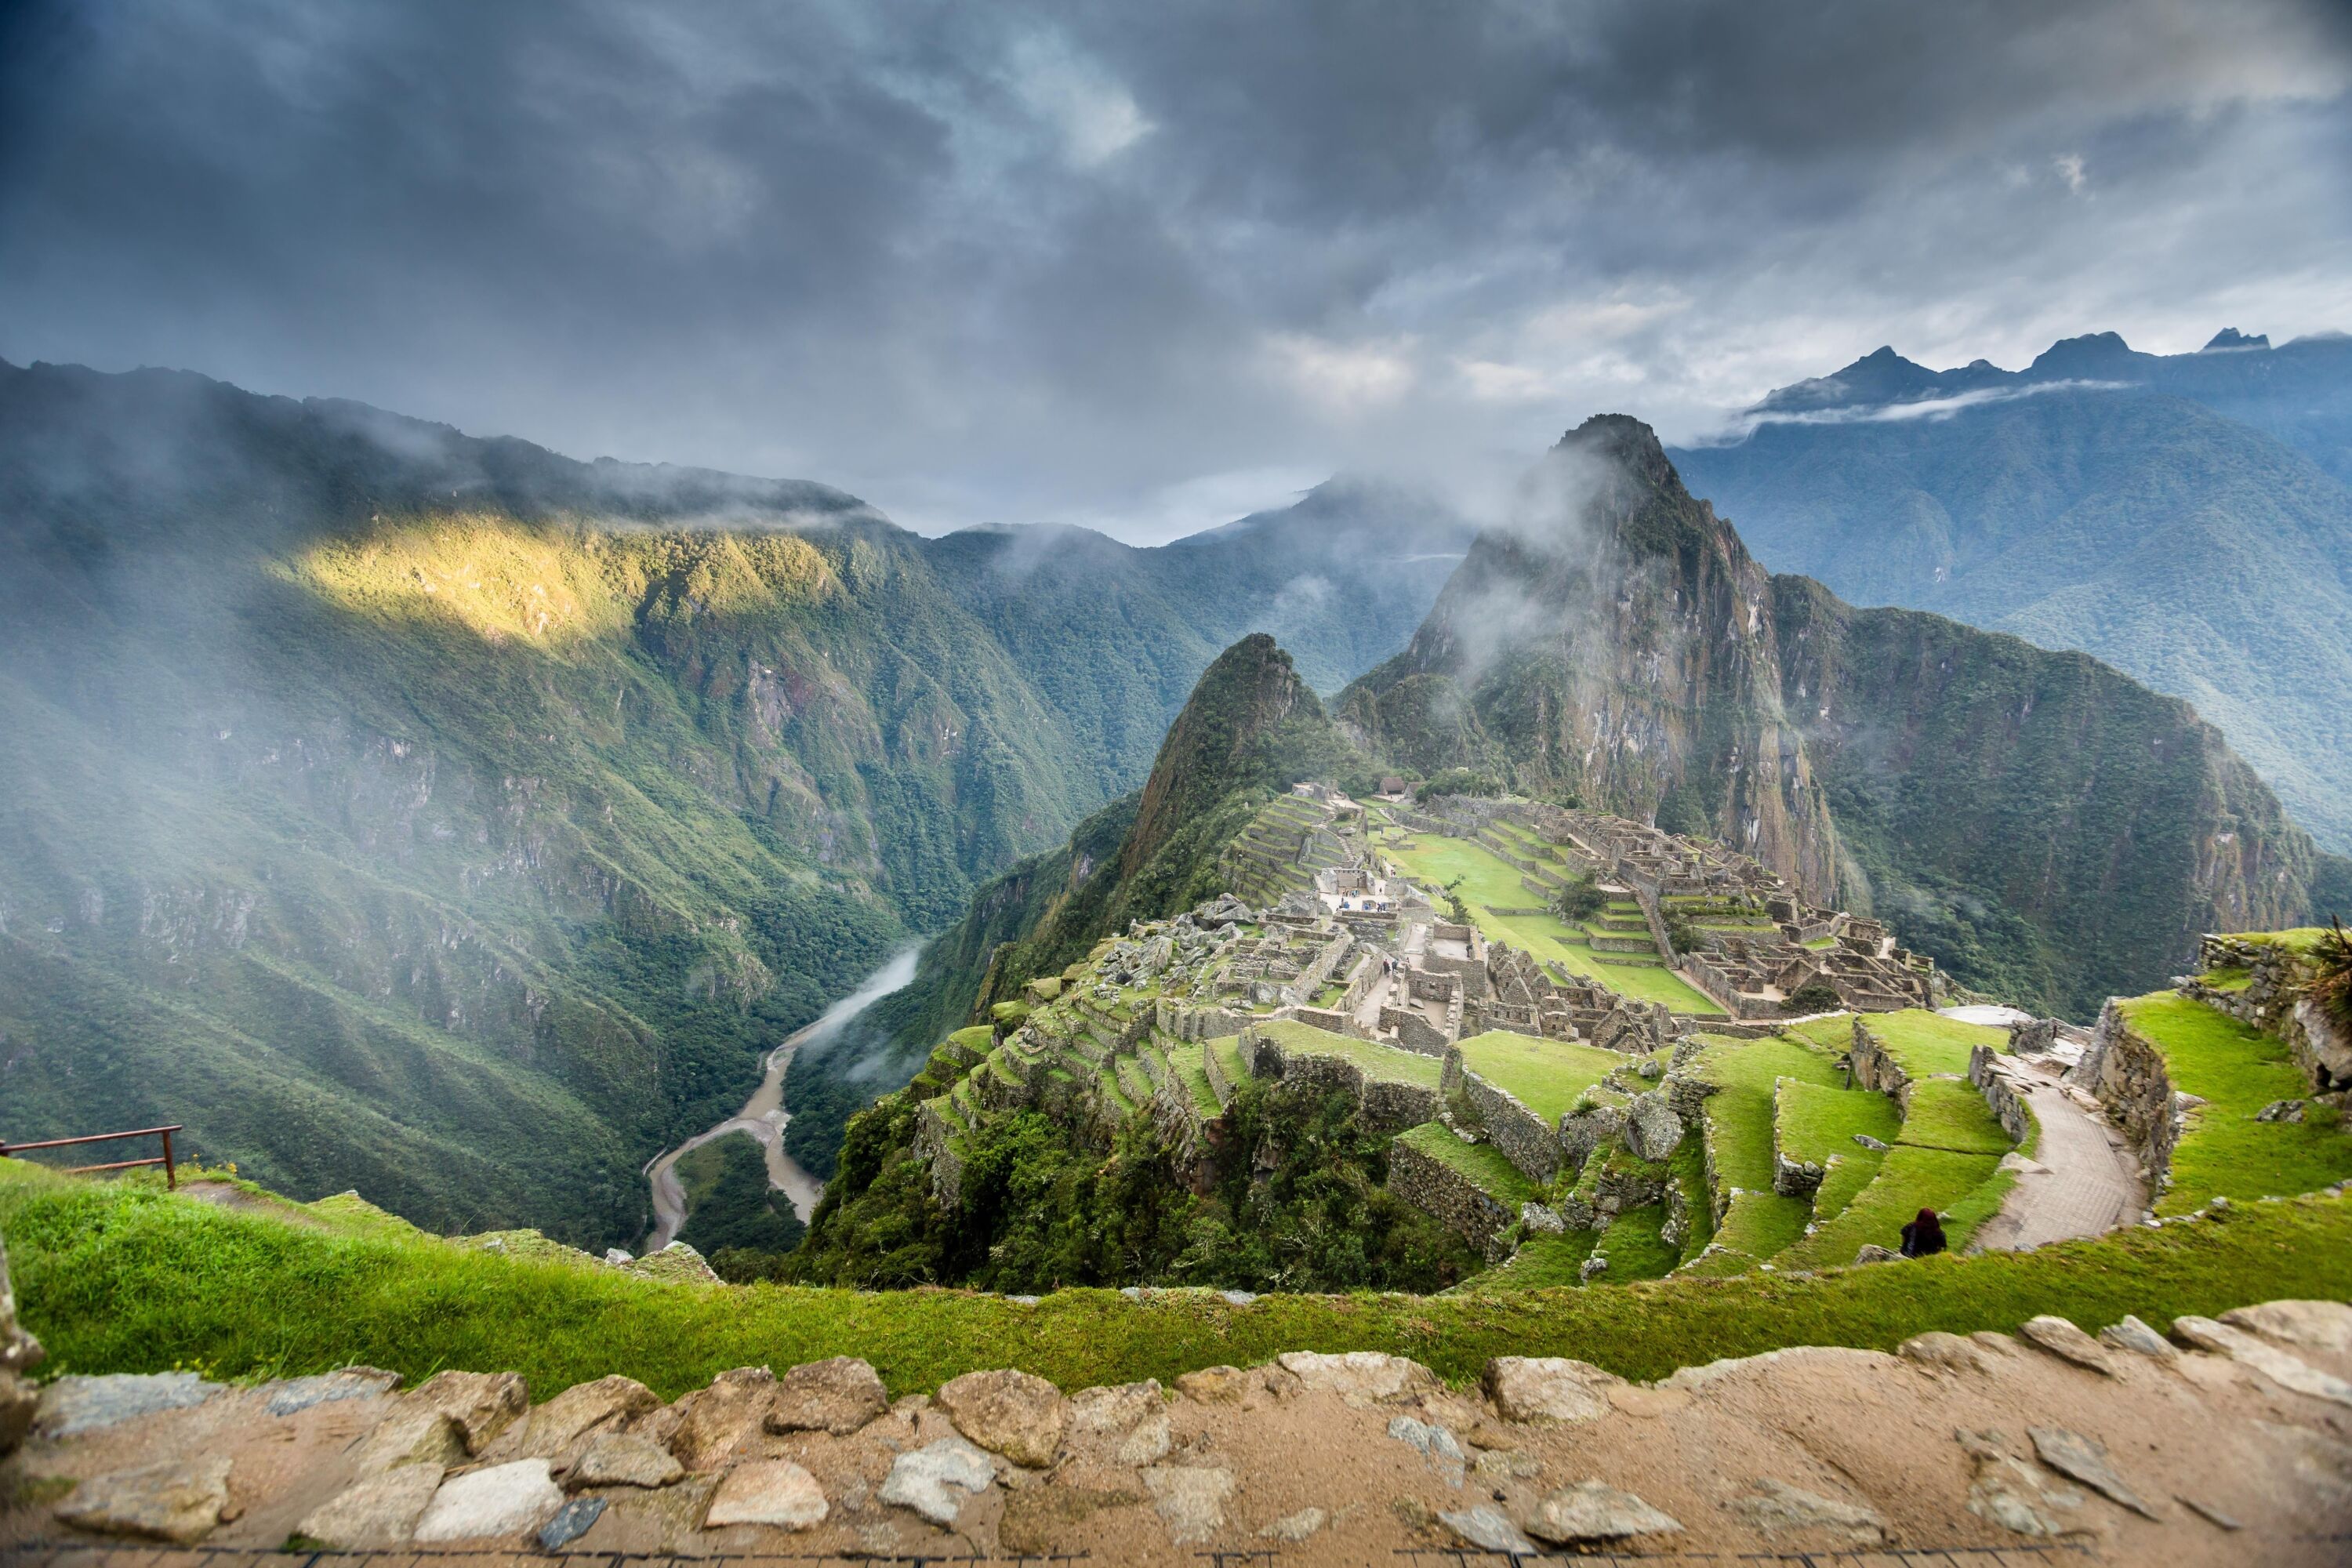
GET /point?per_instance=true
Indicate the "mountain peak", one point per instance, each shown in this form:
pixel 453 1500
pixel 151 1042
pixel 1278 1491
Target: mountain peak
pixel 2092 354
pixel 1251 720
pixel 2230 338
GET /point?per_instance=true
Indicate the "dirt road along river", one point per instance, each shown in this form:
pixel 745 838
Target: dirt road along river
pixel 763 1115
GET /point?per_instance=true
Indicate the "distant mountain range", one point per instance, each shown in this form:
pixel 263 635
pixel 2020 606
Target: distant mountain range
pixel 2183 517
pixel 446 817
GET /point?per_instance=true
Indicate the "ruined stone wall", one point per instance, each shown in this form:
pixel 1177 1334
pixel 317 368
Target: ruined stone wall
pixel 1413 1032
pixel 1988 1072
pixel 1380 1107
pixel 1523 1137
pixel 2273 1002
pixel 2127 1075
pixel 1875 1070
pixel 1453 1199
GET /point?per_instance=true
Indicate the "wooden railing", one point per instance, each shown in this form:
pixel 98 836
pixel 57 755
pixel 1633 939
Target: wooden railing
pixel 171 1171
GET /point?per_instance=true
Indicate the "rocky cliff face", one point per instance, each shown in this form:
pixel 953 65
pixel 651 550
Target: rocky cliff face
pixel 2042 825
pixel 1616 642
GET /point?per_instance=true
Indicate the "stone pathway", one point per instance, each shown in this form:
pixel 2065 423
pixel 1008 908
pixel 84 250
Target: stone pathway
pixel 2081 1180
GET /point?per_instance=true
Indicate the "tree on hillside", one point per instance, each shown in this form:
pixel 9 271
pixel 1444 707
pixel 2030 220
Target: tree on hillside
pixel 1580 899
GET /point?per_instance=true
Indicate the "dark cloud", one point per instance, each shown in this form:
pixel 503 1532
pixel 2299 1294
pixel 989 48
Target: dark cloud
pixel 1125 264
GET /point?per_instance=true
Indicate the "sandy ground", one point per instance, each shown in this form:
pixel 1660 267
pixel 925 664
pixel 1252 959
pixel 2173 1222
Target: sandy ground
pixel 1855 1428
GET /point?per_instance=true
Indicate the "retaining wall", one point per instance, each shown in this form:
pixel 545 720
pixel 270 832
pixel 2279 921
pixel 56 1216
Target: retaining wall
pixel 1450 1197
pixel 2127 1075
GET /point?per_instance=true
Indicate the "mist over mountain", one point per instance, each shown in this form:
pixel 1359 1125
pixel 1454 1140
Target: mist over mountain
pixel 449 818
pixel 2182 517
pixel 2046 827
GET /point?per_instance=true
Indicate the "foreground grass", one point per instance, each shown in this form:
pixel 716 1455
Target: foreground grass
pixel 118 1279
pixel 2236 1072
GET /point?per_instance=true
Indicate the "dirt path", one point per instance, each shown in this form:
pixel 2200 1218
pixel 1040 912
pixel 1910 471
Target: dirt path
pixel 2082 1179
pixel 763 1116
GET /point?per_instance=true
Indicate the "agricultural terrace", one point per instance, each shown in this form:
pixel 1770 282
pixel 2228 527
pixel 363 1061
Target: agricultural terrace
pixel 1488 883
pixel 1545 1075
pixel 2237 1071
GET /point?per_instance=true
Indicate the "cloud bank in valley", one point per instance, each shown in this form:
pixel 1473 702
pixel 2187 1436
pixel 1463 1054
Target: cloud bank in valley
pixel 1145 268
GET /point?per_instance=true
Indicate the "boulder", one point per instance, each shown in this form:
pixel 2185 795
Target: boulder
pixel 935 1479
pixel 1127 1425
pixel 377 1514
pixel 2315 1325
pixel 1871 1252
pixel 1216 1385
pixel 1294 1527
pixel 1943 1352
pixel 1435 1443
pixel 1867 1142
pixel 1774 1507
pixel 1652 1131
pixel 1547 1388
pixel 482 1404
pixel 297 1394
pixel 412 1437
pixel 19 1350
pixel 1016 1414
pixel 2068 1343
pixel 20 1402
pixel 177 1501
pixel 836 1395
pixel 1590 1510
pixel 2137 1337
pixel 557 1428
pixel 2084 1459
pixel 714 1421
pixel 2291 1373
pixel 2007 1490
pixel 766 1491
pixel 1190 1499
pixel 1357 1375
pixel 622 1459
pixel 1486 1528
pixel 514 1499
pixel 1536 1219
pixel 571 1521
pixel 74 1404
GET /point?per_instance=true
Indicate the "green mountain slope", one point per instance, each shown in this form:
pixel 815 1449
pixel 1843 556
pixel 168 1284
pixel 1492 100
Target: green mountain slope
pixel 2194 553
pixel 2042 826
pixel 451 819
pixel 1251 728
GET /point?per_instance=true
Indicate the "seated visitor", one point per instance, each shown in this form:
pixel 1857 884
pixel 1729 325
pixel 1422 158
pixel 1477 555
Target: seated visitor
pixel 1923 1236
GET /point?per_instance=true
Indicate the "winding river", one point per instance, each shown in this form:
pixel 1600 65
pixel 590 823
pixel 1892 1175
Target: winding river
pixel 763 1115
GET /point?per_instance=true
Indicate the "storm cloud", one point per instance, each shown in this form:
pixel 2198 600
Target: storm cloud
pixel 1146 268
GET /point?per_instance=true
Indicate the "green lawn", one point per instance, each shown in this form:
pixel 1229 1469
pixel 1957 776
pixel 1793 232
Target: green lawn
pixel 121 1276
pixel 1818 1121
pixel 1484 1165
pixel 1543 1263
pixel 2237 1071
pixel 1635 1248
pixel 1184 1059
pixel 1758 1227
pixel 1922 1042
pixel 1909 1179
pixel 1390 1064
pixel 1545 1075
pixel 1486 880
pixel 1947 1113
pixel 1740 1115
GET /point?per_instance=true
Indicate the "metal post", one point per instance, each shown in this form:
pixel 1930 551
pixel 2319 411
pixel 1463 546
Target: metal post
pixel 171 1174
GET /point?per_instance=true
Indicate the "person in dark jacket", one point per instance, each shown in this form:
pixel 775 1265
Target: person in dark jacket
pixel 1923 1236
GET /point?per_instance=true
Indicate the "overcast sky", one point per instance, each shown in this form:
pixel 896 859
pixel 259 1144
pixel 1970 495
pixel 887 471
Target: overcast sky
pixel 1146 266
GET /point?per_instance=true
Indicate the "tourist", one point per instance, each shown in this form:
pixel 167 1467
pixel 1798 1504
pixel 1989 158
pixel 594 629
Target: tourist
pixel 1923 1236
